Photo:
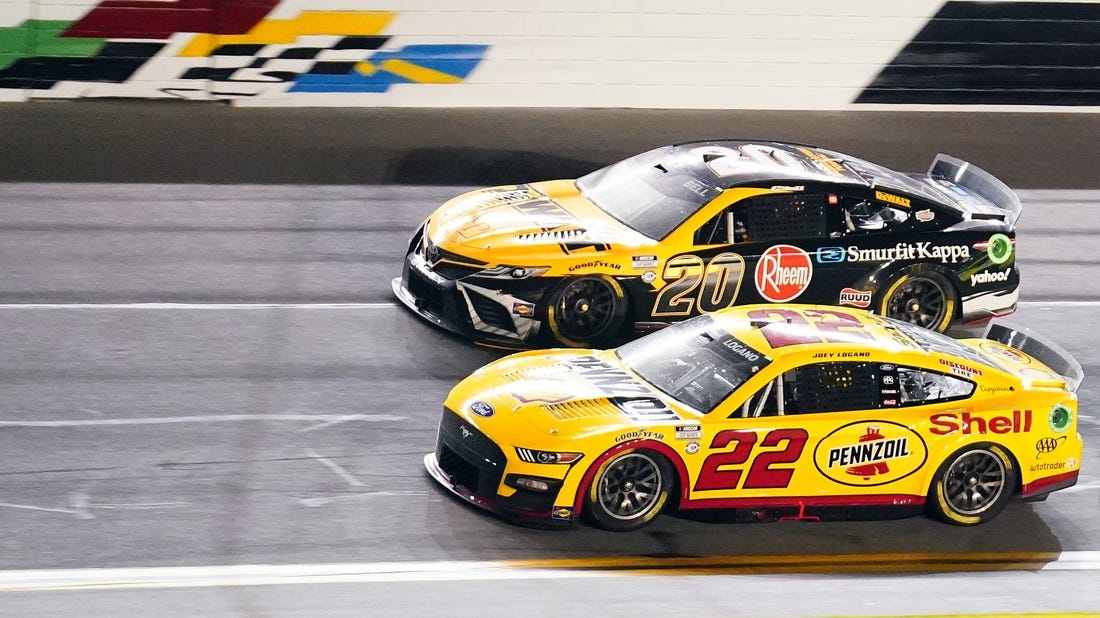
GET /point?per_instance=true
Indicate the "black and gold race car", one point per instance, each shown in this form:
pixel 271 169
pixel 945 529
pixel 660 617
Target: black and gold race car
pixel 696 227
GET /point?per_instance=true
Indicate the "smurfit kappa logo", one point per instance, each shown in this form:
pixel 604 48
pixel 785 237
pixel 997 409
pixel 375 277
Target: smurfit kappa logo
pixel 830 255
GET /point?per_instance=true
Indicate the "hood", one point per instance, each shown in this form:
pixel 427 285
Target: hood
pixel 563 393
pixel 525 220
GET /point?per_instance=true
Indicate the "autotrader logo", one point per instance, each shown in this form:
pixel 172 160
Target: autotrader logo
pixel 830 255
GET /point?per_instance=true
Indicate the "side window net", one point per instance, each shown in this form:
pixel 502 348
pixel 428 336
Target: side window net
pixel 774 217
pixel 831 387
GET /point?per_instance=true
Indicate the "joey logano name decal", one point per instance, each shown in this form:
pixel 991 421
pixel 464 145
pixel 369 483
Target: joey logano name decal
pixel 870 453
pixel 783 272
pixel 635 400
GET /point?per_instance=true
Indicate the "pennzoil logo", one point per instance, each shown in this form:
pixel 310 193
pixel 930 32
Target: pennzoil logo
pixel 870 453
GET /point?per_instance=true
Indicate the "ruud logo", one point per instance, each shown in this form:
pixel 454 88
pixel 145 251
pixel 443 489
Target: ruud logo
pixel 830 255
pixel 855 298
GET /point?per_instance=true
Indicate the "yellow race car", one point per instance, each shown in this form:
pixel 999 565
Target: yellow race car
pixel 777 411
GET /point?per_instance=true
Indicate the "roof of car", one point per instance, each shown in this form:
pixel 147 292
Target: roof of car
pixel 738 162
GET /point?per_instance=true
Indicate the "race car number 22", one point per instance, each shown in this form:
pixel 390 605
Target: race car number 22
pixel 724 469
pixel 691 282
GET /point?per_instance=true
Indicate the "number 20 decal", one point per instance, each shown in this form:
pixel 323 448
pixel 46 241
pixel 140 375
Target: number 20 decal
pixel 692 284
pixel 718 471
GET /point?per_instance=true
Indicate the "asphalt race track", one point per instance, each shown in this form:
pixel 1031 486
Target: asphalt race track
pixel 218 378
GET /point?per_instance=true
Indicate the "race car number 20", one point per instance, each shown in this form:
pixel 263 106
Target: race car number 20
pixel 724 469
pixel 692 283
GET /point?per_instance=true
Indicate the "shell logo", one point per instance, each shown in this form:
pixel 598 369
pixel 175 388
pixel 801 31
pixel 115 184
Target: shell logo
pixel 783 272
pixel 870 453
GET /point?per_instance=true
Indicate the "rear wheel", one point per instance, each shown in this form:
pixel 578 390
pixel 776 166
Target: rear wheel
pixel 629 490
pixel 586 312
pixel 924 298
pixel 973 485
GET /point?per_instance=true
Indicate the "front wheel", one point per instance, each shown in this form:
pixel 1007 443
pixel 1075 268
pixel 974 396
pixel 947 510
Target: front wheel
pixel 924 298
pixel 628 491
pixel 586 312
pixel 973 485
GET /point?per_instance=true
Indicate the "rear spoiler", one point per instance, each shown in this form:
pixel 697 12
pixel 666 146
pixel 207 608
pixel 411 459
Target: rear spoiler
pixel 1042 350
pixel 975 179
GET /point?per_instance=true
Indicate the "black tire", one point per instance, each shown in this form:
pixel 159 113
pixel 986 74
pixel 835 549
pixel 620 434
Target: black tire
pixel 973 485
pixel 920 296
pixel 586 312
pixel 628 490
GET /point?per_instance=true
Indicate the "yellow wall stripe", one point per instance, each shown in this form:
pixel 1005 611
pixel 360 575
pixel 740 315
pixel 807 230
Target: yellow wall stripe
pixel 283 31
pixel 419 74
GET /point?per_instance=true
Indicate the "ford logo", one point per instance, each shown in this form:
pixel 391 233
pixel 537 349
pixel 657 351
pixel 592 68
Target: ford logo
pixel 481 408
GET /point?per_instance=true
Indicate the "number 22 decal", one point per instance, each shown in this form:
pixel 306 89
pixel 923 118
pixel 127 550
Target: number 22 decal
pixel 718 471
pixel 694 284
pixel 829 324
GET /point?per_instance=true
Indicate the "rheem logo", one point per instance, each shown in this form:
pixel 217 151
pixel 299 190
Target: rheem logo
pixel 783 272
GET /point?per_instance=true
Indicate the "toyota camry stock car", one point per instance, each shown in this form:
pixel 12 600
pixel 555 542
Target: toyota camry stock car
pixel 695 227
pixel 776 411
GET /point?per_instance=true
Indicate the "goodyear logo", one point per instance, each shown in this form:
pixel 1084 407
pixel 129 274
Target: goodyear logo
pixel 870 453
pixel 893 199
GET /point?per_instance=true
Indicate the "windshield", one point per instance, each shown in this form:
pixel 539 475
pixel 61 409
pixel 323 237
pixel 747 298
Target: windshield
pixel 695 362
pixel 652 193
pixel 932 341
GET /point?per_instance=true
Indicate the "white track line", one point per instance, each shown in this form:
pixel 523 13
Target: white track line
pixel 379 572
pixel 210 418
pixel 336 468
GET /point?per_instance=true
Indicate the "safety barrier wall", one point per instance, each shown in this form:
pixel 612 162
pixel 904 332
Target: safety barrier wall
pixel 691 54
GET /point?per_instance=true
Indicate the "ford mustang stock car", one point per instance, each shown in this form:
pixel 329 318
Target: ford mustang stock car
pixel 775 411
pixel 695 227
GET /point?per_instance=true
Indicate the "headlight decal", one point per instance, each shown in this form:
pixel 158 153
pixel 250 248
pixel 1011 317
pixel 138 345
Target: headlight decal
pixel 547 457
